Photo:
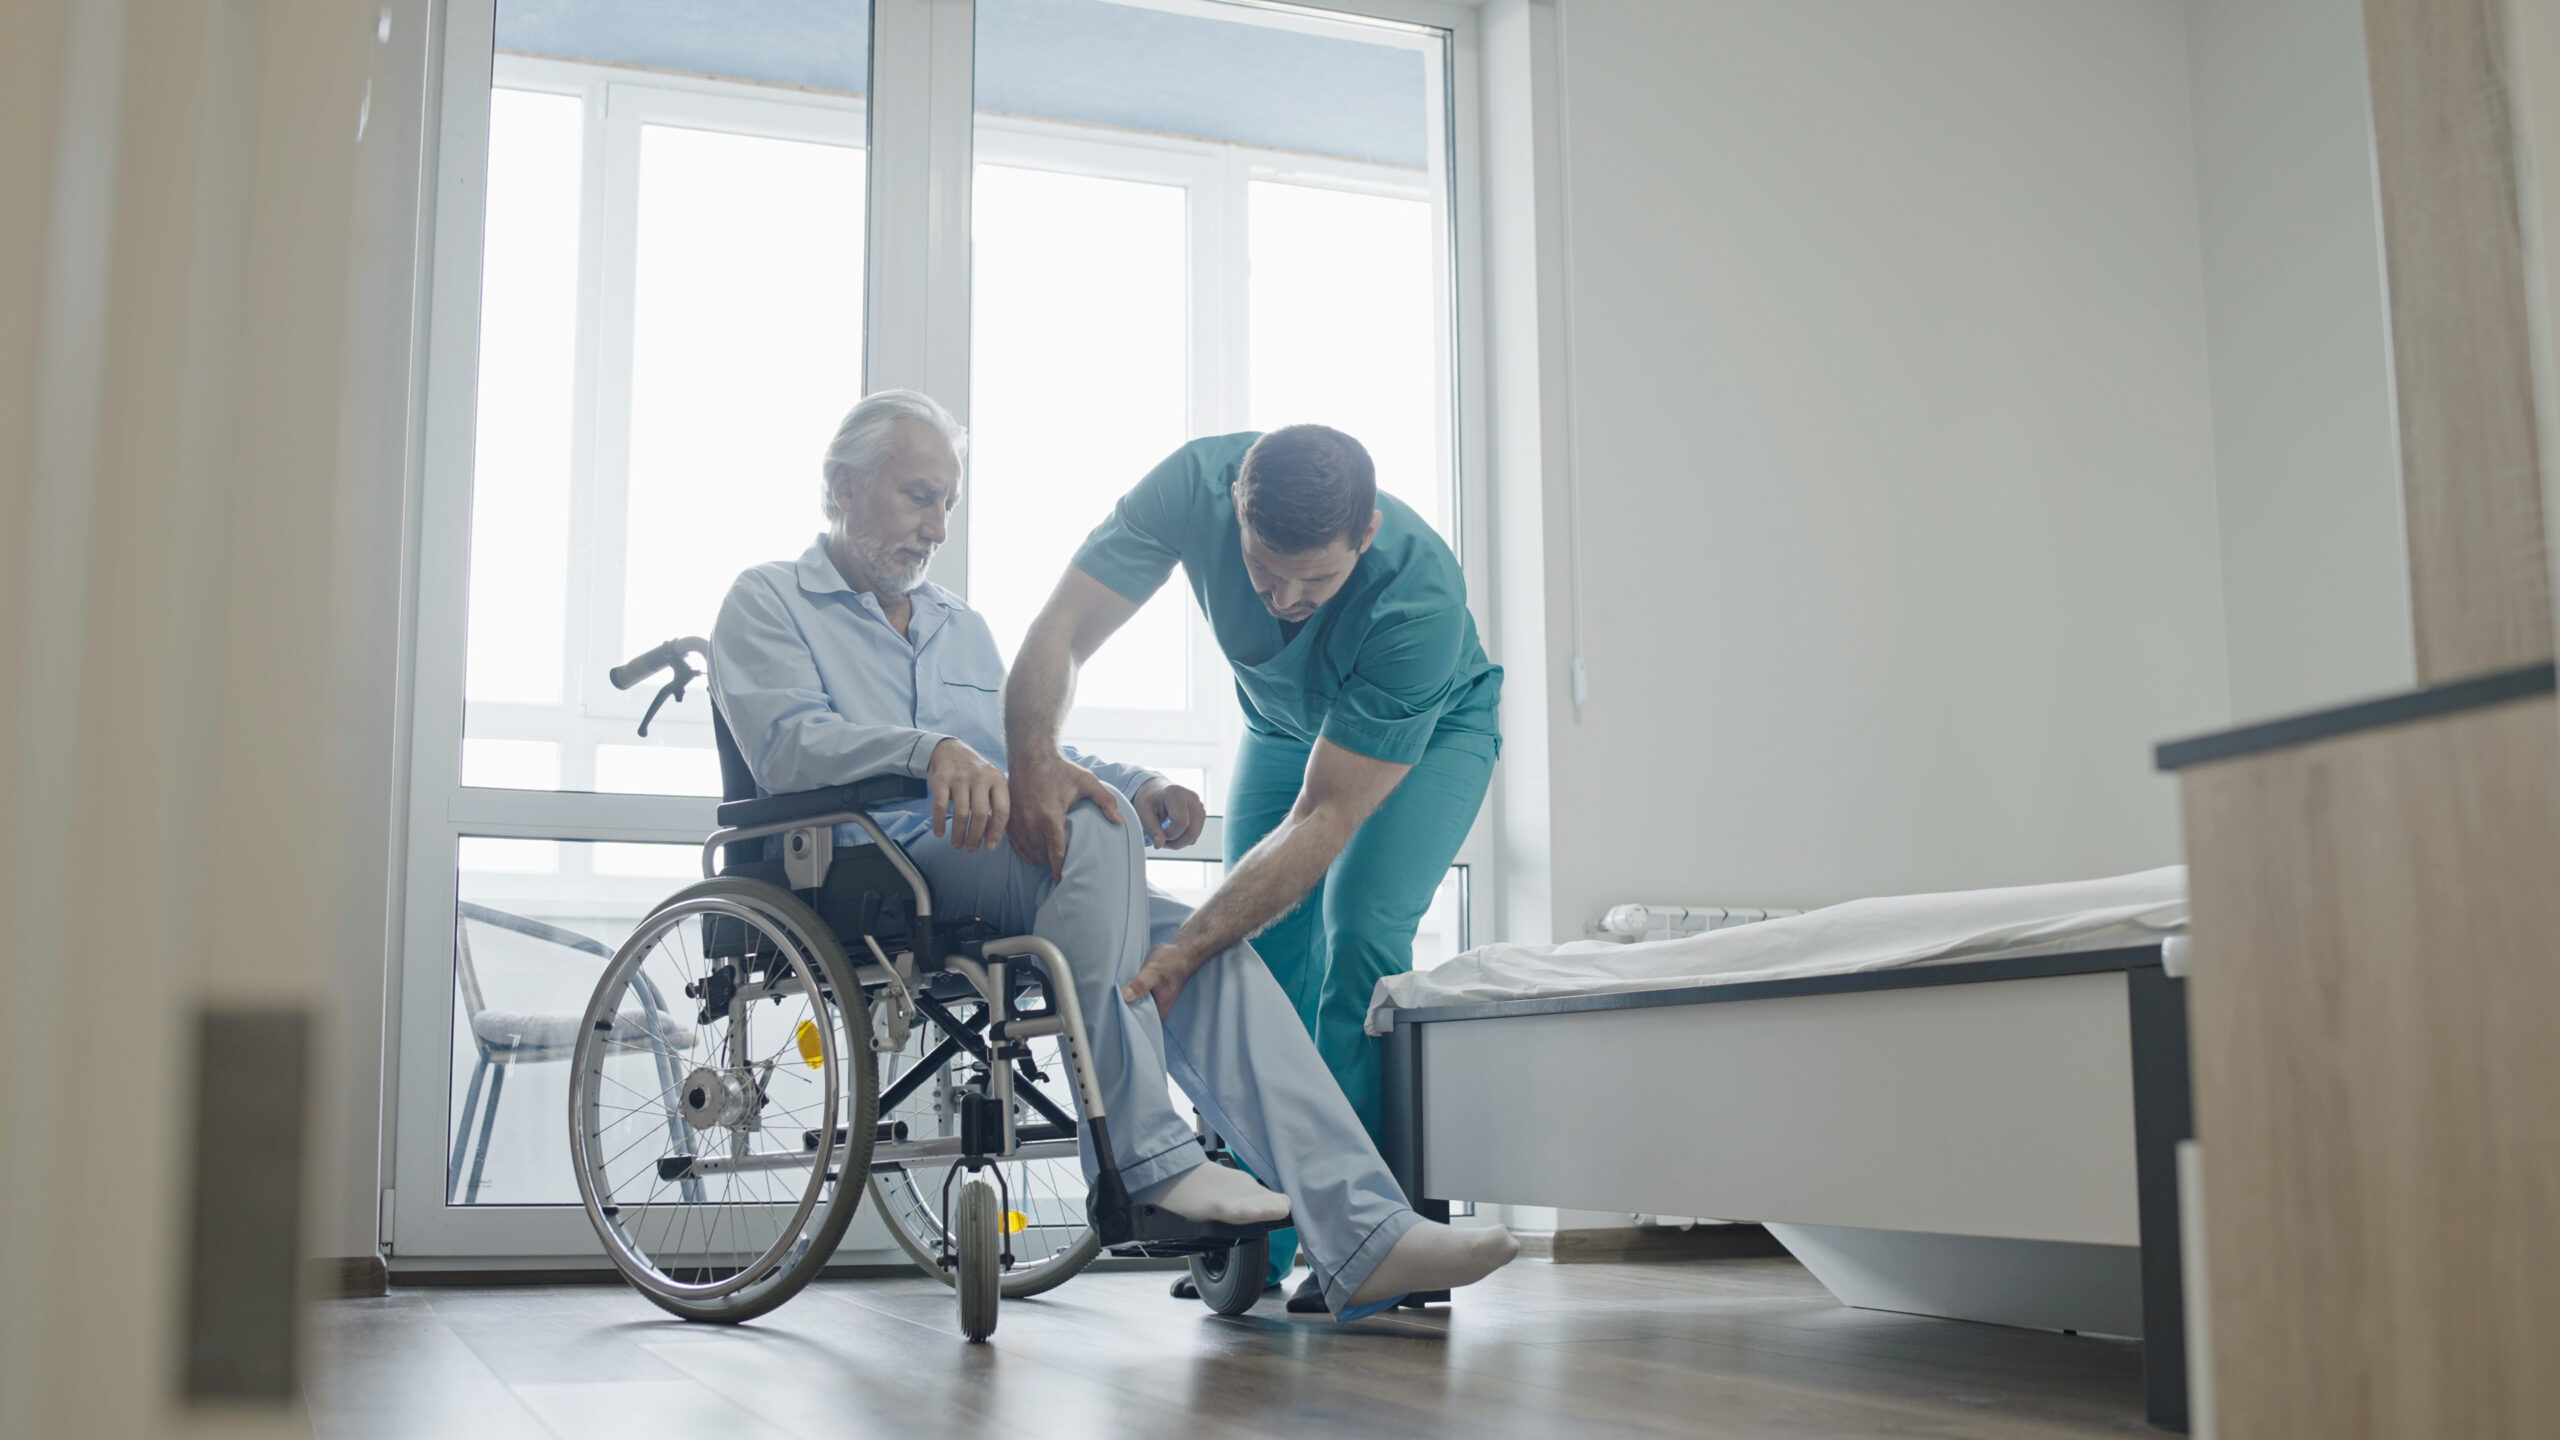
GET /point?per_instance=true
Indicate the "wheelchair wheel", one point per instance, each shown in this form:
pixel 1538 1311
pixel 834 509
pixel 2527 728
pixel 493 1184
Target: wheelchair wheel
pixel 981 1258
pixel 724 1092
pixel 1051 1239
pixel 1230 1281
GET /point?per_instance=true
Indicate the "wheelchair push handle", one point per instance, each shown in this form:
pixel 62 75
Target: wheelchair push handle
pixel 656 658
pixel 666 655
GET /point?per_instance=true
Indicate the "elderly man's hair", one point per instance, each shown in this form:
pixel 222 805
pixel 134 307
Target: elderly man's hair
pixel 868 435
pixel 1302 487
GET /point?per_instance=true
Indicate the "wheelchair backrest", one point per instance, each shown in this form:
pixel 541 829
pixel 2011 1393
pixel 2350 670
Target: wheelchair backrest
pixel 737 782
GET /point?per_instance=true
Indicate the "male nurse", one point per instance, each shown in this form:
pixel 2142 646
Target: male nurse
pixel 1369 708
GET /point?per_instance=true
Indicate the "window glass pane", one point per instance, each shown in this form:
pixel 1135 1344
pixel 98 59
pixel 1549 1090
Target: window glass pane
pixel 672 325
pixel 1077 382
pixel 746 348
pixel 489 856
pixel 1230 74
pixel 528 354
pixel 657 769
pixel 672 862
pixel 511 764
pixel 525 963
pixel 811 45
pixel 1346 332
pixel 1189 881
pixel 1443 931
pixel 1192 219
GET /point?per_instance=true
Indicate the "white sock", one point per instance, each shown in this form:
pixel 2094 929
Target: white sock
pixel 1433 1256
pixel 1215 1192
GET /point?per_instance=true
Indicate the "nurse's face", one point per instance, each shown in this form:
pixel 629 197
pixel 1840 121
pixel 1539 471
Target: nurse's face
pixel 890 526
pixel 1294 587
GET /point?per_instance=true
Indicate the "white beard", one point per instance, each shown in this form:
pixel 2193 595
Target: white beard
pixel 893 570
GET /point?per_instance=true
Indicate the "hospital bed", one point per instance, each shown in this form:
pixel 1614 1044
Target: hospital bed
pixel 1985 1133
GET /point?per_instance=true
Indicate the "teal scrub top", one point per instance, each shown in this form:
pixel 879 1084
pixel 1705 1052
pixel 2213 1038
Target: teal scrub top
pixel 1389 661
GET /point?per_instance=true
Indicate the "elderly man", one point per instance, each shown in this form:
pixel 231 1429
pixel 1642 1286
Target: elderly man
pixel 846 663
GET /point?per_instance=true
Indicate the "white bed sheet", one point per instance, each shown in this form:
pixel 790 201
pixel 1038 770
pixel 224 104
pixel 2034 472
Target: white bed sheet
pixel 1876 934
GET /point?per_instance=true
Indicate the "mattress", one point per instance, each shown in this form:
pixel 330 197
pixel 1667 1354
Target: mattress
pixel 1874 934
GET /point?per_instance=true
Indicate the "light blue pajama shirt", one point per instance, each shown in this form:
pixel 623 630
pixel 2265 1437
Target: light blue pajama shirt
pixel 820 689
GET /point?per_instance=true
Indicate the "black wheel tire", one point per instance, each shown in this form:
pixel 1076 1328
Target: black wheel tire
pixel 1020 1283
pixel 979 1229
pixel 1231 1280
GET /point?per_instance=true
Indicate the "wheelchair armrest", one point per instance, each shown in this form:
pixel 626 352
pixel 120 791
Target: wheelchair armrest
pixel 868 794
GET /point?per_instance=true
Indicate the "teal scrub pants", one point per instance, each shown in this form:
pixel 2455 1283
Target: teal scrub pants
pixel 1357 924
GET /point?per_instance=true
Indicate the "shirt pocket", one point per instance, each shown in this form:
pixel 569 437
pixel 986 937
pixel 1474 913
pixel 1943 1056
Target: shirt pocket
pixel 960 681
pixel 964 700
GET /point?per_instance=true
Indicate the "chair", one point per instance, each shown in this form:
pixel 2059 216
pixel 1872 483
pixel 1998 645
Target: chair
pixel 506 1038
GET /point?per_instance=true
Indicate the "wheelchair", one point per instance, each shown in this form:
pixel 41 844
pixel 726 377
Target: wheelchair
pixel 728 1103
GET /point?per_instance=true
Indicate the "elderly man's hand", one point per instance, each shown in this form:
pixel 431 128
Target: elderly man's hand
pixel 1172 814
pixel 971 801
pixel 1043 789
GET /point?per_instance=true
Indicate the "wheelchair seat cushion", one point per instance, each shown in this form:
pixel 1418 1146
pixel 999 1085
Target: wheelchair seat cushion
pixel 519 1035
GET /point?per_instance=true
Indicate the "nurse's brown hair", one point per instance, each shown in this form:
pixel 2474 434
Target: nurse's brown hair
pixel 1302 487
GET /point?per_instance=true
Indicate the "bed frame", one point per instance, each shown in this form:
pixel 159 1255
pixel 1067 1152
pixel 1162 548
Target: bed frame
pixel 1988 1140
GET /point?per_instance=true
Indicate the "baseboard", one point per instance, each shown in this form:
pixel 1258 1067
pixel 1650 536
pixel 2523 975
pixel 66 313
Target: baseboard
pixel 1625 1244
pixel 346 1277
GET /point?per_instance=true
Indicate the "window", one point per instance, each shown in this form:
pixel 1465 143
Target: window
pixel 671 322
pixel 687 239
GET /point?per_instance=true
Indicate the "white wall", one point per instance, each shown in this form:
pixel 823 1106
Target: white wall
pixel 2315 559
pixel 1891 427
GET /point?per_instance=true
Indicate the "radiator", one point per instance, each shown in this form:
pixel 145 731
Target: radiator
pixel 1648 920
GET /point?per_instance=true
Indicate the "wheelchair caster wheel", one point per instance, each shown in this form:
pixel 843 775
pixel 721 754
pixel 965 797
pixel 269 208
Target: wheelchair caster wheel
pixel 1231 1280
pixel 981 1264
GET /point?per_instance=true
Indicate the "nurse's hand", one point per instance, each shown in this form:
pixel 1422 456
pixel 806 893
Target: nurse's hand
pixel 1172 814
pixel 1043 790
pixel 1163 976
pixel 971 801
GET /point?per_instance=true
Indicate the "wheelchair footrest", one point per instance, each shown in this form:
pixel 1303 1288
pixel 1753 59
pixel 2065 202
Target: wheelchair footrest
pixel 1162 1235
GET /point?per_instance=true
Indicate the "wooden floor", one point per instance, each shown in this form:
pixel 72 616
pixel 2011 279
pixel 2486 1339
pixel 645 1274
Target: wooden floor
pixel 1703 1348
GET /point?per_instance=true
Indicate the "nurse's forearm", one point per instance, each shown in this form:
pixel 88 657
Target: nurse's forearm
pixel 1082 613
pixel 1276 875
pixel 1036 697
pixel 1342 789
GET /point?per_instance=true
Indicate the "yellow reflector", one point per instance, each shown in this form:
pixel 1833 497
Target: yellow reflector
pixel 813 1046
pixel 1015 1222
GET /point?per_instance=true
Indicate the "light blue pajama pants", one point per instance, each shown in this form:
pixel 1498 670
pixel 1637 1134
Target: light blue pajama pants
pixel 1357 925
pixel 1234 1043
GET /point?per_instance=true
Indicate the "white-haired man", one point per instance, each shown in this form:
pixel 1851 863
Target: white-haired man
pixel 847 663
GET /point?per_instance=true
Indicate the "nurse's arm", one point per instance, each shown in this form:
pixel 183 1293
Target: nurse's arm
pixel 1342 789
pixel 1082 613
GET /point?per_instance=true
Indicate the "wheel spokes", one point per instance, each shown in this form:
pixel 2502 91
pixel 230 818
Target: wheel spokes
pixel 674 1226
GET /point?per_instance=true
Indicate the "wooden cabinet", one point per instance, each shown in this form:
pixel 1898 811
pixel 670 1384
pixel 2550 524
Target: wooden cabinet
pixel 2375 1015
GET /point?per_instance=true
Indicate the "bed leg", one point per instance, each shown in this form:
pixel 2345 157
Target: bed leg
pixel 2163 1115
pixel 1402 1138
